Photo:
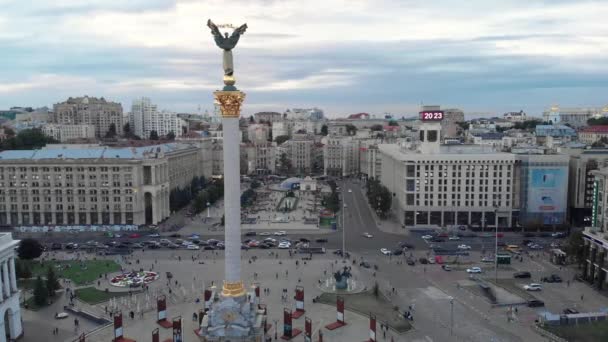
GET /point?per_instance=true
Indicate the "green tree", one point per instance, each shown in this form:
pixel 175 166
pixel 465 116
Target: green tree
pixel 254 185
pixel 171 136
pixel 351 129
pixel 324 130
pixel 285 167
pixel 41 295
pixel 379 197
pixel 111 133
pixel 153 135
pixel 9 132
pixel 281 139
pixel 575 247
pixel 27 139
pixel 393 123
pixel 463 125
pixel 126 130
pixel 29 249
pixel 251 120
pixel 52 283
pixel 376 128
pixel 597 121
pixel 332 202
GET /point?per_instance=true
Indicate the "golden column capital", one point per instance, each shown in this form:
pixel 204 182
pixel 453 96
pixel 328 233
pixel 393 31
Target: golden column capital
pixel 233 289
pixel 230 102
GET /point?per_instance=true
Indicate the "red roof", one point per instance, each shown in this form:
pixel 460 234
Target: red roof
pixel 595 129
pixel 359 116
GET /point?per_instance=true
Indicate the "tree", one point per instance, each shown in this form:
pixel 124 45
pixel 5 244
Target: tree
pixel 281 139
pixel 27 139
pixel 597 121
pixel 126 130
pixel 376 128
pixel 379 196
pixel 171 136
pixel 29 249
pixel 251 120
pixel 393 123
pixel 254 185
pixel 153 135
pixel 111 133
pixel 463 125
pixel 41 295
pixel 332 202
pixel 52 284
pixel 285 166
pixel 603 141
pixel 351 129
pixel 324 130
pixel 9 132
pixel 575 248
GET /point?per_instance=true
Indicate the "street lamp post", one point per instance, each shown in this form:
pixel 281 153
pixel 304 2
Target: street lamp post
pixel 208 208
pixel 276 329
pixel 344 229
pixel 496 245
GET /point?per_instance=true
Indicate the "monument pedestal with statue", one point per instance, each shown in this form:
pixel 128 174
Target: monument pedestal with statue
pixel 232 314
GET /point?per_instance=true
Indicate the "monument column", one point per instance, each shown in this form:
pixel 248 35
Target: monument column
pixel 230 101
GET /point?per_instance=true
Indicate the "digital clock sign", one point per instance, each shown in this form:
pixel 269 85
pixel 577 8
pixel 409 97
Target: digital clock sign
pixel 435 115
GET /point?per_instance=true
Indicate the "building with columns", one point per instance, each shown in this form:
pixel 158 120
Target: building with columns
pixel 9 301
pixel 94 185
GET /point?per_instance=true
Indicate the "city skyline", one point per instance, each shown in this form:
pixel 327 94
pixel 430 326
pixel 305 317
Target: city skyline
pixel 355 56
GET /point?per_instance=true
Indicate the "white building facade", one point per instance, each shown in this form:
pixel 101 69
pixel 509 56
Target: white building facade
pixel 65 133
pixel 145 118
pixel 9 300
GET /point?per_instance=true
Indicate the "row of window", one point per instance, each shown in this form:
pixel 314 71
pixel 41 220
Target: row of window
pixel 61 207
pixel 92 184
pixel 67 199
pixel 47 218
pixel 67 191
pixel 67 169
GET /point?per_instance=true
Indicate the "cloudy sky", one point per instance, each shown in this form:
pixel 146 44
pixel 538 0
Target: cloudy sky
pixel 344 56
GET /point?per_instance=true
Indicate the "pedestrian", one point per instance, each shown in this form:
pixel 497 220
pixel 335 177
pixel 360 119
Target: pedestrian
pixel 582 297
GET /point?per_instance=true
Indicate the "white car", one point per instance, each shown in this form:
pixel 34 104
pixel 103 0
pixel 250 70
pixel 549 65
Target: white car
pixel 427 237
pixel 533 287
pixel 453 238
pixel 280 233
pixel 385 251
pixel 464 247
pixel 367 235
pixel 270 240
pixel 474 270
pixel 284 245
pixel 265 234
pixel 154 235
pixel 193 247
pixel 350 190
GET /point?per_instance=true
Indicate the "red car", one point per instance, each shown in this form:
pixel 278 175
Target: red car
pixel 253 243
pixel 500 235
pixel 444 235
pixel 134 236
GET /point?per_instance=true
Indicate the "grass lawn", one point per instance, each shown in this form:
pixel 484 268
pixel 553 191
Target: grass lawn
pixel 76 272
pixel 31 305
pixel 365 303
pixel 592 332
pixel 26 284
pixel 94 296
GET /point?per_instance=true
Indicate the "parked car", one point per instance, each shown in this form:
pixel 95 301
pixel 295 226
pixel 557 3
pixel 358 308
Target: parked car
pixel 193 247
pixel 454 238
pixel 367 235
pixel 154 235
pixel 280 233
pixel 405 245
pixel 522 274
pixel 533 287
pixel 427 237
pixel 265 233
pixel 446 267
pixel 365 264
pixel 304 240
pixel 436 239
pixel 134 236
pixel 554 278
pixel 411 261
pixel 251 234
pixel 175 235
pixel 209 248
pixel 397 251
pixel 534 303
pixel 55 246
pixel 474 270
pixel 284 245
pixel 464 247
pixel 385 251
pixel 570 311
pixel 323 240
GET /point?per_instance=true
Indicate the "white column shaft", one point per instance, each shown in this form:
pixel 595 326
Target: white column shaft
pixel 13 276
pixel 232 199
pixel 1 289
pixel 5 280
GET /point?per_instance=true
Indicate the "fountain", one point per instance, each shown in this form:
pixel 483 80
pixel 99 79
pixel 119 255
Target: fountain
pixel 342 282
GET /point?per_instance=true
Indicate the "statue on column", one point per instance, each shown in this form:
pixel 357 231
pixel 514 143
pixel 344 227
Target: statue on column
pixel 227 43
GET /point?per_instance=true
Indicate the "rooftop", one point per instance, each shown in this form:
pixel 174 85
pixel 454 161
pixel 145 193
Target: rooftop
pixel 94 152
pixel 445 152
pixel 595 129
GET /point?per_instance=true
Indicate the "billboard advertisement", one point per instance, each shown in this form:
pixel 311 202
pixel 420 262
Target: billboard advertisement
pixel 547 193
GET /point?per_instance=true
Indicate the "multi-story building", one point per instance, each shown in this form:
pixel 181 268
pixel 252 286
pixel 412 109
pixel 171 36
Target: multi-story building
pixel 555 133
pixel 341 156
pixel 217 157
pixel 98 185
pixel 595 237
pixel 271 117
pixel 260 157
pixel 304 114
pixel 449 125
pixel 515 116
pixel 89 111
pixel 258 133
pixel 576 117
pixel 145 118
pixel 299 151
pixel 371 165
pixel 64 133
pixel 583 162
pixel 442 185
pixel 592 134
pixel 11 323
